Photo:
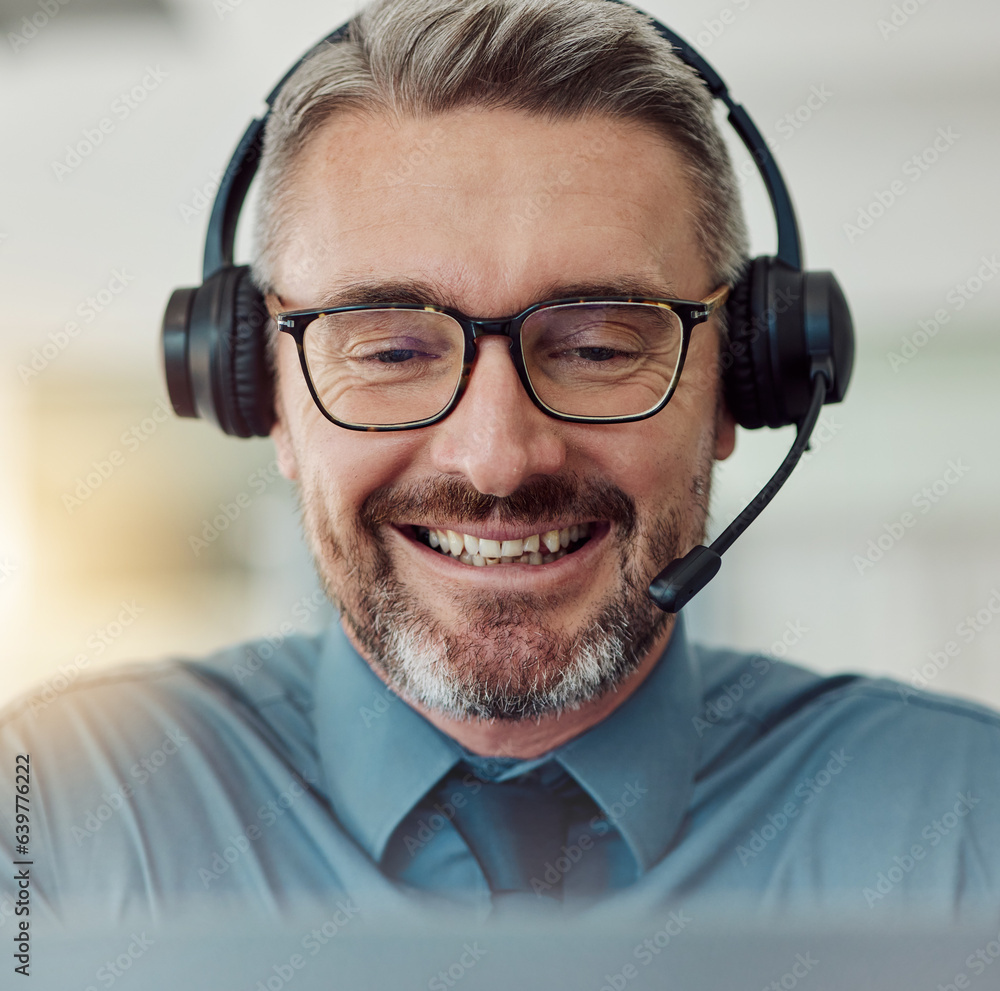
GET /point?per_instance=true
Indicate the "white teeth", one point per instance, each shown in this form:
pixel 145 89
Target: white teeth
pixel 481 551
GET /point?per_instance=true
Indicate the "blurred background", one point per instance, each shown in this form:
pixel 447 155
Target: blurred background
pixel 128 533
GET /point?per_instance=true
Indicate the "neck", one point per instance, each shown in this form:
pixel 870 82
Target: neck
pixel 529 738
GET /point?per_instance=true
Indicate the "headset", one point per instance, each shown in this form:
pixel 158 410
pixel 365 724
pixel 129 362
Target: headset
pixel 790 347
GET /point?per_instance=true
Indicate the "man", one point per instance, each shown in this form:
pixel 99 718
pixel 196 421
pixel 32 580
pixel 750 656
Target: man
pixel 502 723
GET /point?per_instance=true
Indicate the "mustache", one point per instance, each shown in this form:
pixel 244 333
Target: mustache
pixel 542 499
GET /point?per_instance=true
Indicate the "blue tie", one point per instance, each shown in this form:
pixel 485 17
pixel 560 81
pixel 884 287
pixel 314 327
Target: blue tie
pixel 516 830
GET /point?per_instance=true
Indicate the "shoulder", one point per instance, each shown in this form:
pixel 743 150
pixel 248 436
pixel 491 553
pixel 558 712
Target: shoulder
pixel 768 721
pixel 766 696
pixel 872 754
pixel 136 773
pixel 247 681
pixel 848 790
pixel 183 723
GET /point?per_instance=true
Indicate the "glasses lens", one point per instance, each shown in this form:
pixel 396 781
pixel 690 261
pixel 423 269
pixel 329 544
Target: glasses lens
pixel 602 359
pixel 384 367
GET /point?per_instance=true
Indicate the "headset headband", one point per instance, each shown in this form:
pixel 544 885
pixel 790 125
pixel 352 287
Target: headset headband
pixel 221 238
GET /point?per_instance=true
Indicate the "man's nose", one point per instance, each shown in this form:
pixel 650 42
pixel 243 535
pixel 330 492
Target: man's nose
pixel 496 437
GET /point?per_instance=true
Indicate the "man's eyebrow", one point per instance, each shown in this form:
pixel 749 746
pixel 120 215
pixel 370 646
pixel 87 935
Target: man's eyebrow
pixel 374 292
pixel 366 292
pixel 623 286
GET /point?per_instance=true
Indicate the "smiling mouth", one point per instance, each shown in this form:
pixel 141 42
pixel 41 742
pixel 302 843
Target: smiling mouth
pixel 539 548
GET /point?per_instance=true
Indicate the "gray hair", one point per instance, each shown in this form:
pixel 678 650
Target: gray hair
pixel 550 58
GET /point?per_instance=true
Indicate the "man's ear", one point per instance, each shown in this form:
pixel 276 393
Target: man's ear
pixel 288 462
pixel 725 430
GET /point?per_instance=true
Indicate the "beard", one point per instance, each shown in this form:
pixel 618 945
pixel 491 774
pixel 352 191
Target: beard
pixel 500 657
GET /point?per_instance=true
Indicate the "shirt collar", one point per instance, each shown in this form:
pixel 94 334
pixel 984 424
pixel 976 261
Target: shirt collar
pixel 639 764
pixel 380 756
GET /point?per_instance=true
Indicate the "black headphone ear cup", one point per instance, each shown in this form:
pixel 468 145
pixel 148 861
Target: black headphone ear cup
pixel 772 344
pixel 829 330
pixel 250 390
pixel 741 381
pixel 216 355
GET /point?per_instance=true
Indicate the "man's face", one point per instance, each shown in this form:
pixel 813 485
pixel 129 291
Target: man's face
pixel 489 212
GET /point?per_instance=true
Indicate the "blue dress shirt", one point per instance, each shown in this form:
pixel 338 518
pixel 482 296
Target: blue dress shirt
pixel 270 778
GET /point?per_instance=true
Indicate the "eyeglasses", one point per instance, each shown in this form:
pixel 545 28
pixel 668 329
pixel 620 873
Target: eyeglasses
pixel 399 366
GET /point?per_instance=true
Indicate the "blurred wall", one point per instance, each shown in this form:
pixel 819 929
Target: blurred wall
pixel 112 543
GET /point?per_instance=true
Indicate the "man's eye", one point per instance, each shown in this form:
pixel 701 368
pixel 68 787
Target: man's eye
pixel 595 354
pixel 394 357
